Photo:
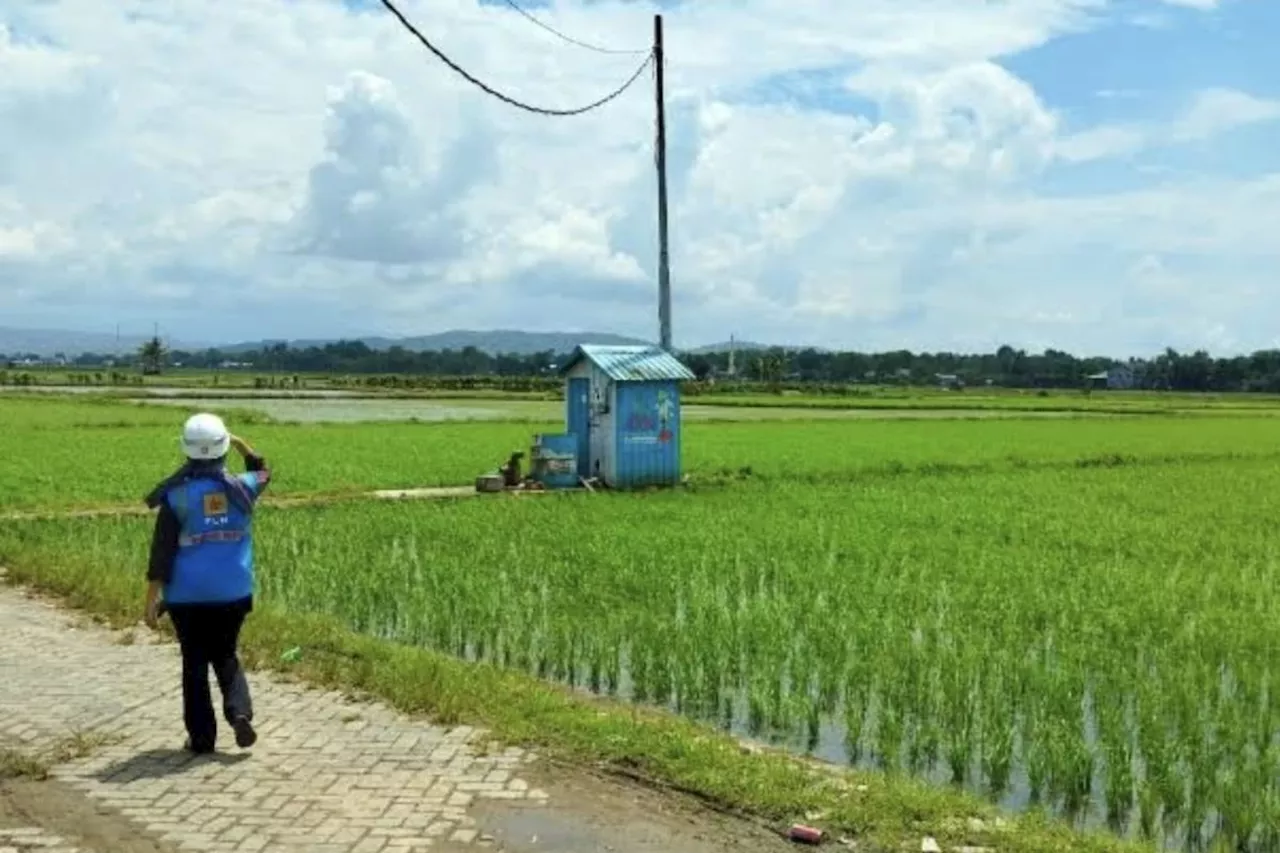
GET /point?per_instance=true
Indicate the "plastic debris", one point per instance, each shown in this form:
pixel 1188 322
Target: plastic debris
pixel 805 834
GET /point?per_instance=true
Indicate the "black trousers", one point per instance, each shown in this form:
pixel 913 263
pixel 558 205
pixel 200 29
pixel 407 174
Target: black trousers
pixel 208 635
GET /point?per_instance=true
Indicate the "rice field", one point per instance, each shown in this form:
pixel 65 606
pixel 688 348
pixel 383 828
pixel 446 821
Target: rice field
pixel 51 445
pixel 1079 616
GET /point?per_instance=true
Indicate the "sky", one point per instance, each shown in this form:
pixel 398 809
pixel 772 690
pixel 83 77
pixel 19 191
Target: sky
pixel 1099 176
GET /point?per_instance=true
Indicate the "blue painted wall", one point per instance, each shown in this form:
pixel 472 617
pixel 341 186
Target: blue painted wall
pixel 578 420
pixel 647 434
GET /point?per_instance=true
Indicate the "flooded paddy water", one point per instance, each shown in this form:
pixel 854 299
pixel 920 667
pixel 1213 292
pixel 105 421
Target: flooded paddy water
pixel 339 406
pixel 336 409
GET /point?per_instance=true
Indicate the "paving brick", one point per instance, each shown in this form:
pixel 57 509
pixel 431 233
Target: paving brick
pixel 327 774
pixel 29 839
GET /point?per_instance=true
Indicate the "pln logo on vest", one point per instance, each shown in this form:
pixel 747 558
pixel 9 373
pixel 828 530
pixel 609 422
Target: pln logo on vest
pixel 215 507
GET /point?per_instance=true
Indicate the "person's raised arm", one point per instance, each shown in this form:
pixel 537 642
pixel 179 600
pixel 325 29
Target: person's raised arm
pixel 253 463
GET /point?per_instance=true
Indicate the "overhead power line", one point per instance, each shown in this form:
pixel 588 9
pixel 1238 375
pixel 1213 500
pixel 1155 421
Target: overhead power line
pixel 404 22
pixel 538 22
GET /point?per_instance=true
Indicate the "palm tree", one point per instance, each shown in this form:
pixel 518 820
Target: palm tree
pixel 769 367
pixel 152 355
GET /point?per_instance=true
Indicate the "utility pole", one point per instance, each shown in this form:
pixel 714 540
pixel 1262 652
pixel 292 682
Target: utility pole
pixel 664 257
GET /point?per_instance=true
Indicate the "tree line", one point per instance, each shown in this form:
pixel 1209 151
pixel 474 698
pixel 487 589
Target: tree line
pixel 1007 367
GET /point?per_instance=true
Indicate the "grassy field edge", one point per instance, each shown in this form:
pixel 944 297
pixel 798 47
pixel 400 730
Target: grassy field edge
pixel 880 810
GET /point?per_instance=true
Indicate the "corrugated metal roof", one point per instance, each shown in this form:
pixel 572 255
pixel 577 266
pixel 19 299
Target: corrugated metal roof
pixel 632 363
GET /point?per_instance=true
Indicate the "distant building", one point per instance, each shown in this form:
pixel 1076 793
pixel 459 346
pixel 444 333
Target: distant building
pixel 948 380
pixel 1118 378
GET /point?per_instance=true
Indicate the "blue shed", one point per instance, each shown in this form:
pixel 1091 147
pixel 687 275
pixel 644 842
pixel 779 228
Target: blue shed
pixel 623 405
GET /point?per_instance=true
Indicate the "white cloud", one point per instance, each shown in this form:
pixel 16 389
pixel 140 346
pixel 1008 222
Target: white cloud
pixel 38 239
pixel 300 169
pixel 1208 114
pixel 970 118
pixel 1198 5
pixel 1217 110
pixel 1100 143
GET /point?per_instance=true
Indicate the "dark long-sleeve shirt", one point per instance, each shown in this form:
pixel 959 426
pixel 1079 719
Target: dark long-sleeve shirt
pixel 164 538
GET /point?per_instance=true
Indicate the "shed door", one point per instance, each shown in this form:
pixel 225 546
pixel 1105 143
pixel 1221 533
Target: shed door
pixel 579 420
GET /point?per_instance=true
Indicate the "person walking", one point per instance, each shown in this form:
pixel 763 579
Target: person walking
pixel 201 573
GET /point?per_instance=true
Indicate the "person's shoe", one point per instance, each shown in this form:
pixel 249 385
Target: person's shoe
pixel 198 748
pixel 245 735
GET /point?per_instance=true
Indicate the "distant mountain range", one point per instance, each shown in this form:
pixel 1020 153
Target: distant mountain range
pixel 492 342
pixel 51 342
pixel 739 346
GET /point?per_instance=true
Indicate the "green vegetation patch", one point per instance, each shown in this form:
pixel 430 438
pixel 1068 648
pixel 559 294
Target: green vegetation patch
pixel 1095 641
pixel 64 454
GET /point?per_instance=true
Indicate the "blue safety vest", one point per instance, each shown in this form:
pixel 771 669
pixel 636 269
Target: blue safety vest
pixel 214 563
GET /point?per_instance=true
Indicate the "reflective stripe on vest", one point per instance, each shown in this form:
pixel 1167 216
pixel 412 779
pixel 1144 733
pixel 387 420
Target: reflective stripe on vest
pixel 188 540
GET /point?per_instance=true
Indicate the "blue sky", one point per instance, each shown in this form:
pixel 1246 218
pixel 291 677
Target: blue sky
pixel 1081 174
pixel 1155 52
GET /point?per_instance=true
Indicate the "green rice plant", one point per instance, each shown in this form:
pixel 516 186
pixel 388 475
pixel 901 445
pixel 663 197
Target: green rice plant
pixel 998 725
pixel 1115 731
pixel 1106 632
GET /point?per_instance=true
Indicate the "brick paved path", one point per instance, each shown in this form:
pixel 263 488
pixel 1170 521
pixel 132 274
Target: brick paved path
pixel 26 839
pixel 327 774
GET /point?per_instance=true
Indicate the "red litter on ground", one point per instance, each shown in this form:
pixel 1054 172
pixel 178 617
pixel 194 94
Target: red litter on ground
pixel 806 834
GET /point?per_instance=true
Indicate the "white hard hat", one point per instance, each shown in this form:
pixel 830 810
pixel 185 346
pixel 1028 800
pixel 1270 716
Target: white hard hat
pixel 205 436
